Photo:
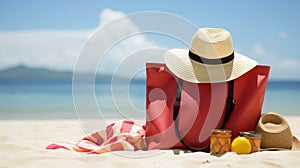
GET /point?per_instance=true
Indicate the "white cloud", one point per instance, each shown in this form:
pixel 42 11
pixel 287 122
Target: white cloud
pixel 287 68
pixel 260 54
pixel 281 67
pixel 282 34
pixel 59 49
pixel 108 15
pixel 289 64
pixel 44 48
pixel 110 45
pixel 258 50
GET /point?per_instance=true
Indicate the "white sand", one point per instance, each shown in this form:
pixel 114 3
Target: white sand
pixel 23 142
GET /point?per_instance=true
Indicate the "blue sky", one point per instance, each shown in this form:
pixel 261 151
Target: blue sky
pixel 267 31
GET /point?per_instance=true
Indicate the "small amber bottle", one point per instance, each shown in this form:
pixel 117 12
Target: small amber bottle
pixel 254 139
pixel 220 140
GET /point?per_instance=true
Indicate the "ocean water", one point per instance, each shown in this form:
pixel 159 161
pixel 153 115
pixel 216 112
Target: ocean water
pixel 33 99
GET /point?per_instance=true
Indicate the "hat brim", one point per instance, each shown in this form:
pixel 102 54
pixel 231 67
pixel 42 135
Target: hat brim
pixel 179 63
pixel 295 146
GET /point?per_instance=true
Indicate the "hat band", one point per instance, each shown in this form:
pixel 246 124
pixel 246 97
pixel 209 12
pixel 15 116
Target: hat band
pixel 203 60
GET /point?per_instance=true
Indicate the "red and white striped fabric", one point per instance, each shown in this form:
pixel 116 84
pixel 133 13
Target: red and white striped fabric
pixel 116 137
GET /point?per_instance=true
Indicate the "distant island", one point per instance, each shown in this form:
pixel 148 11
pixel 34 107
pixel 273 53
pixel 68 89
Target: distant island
pixel 22 72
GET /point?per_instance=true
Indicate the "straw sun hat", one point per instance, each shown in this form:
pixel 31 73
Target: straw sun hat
pixel 276 133
pixel 210 59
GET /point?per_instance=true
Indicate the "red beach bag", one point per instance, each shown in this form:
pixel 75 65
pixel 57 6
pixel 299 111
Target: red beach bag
pixel 235 105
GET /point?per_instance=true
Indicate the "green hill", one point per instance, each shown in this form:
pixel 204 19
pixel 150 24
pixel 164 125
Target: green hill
pixel 27 73
pixel 23 72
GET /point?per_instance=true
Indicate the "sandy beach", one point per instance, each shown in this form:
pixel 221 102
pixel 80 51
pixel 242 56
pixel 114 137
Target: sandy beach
pixel 23 142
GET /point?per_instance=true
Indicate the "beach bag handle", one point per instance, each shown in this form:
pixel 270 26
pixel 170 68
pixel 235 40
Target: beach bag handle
pixel 229 108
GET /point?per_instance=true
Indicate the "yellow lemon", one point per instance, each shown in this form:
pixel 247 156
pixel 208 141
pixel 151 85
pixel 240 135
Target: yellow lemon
pixel 241 145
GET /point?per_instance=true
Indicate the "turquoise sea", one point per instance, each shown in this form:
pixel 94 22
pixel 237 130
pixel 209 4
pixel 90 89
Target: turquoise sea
pixel 53 99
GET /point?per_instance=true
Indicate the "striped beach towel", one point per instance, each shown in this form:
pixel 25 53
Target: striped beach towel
pixel 122 136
